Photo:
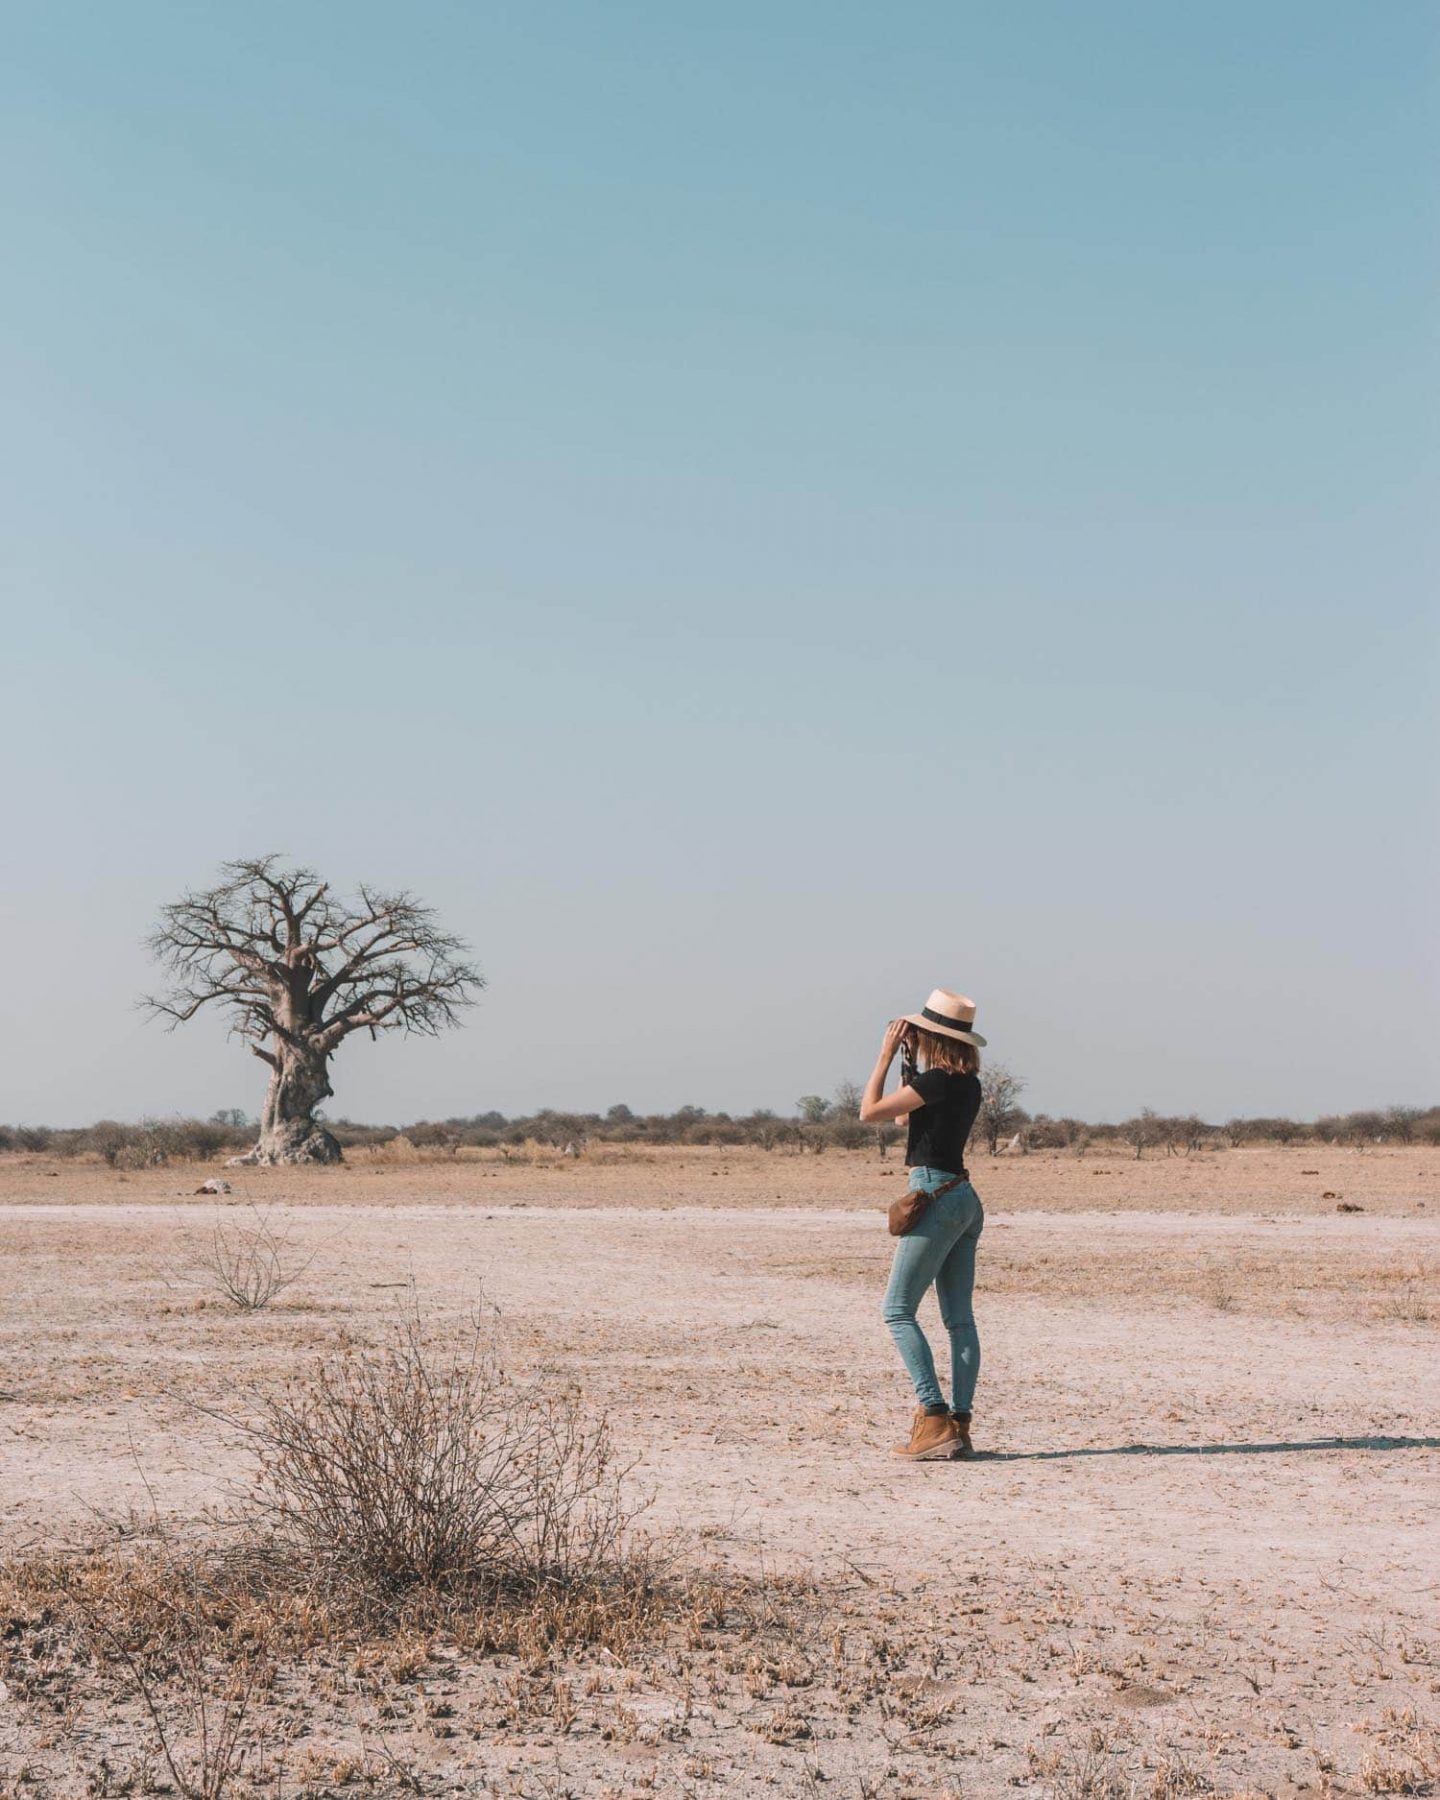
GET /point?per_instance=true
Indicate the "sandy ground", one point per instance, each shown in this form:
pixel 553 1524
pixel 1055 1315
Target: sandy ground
pixel 1201 1536
pixel 1383 1179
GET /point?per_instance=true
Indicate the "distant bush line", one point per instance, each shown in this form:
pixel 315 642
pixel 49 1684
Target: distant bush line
pixel 818 1127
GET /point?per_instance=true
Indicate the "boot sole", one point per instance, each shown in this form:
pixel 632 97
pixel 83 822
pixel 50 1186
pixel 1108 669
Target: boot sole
pixel 938 1453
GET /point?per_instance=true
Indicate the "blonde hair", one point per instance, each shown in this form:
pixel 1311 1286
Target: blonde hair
pixel 946 1053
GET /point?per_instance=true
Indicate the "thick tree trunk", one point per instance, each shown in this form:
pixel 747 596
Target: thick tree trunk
pixel 289 1130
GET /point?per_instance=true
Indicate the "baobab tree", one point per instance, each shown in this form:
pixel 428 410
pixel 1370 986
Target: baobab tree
pixel 297 970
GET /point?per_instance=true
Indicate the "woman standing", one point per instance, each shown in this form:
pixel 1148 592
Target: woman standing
pixel 940 1101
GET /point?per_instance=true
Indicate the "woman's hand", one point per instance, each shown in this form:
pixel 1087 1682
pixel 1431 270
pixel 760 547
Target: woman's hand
pixel 874 1107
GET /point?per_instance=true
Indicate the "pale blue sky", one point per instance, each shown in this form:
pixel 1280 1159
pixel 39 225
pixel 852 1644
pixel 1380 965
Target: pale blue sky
pixel 755 512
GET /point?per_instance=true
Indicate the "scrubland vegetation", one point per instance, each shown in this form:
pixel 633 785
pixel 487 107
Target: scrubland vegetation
pixel 817 1125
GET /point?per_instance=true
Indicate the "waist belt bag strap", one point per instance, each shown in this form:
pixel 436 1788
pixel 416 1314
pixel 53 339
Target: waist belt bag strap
pixel 907 1210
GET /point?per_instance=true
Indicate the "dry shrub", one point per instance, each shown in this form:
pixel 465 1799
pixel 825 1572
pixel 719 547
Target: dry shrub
pixel 200 1720
pixel 250 1263
pixel 425 1464
pixel 387 1482
pixel 155 1142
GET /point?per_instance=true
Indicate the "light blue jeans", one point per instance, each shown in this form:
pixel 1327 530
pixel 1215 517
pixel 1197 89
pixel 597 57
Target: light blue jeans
pixel 940 1250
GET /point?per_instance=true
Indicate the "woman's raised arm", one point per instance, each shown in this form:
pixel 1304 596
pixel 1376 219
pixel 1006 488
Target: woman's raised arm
pixel 875 1109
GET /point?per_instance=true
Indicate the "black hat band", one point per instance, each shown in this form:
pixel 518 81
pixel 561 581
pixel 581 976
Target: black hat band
pixel 949 1024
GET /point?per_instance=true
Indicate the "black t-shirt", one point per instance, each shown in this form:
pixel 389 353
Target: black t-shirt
pixel 939 1128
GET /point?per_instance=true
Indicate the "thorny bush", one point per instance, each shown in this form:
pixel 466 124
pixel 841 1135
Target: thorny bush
pixel 426 1464
pixel 250 1262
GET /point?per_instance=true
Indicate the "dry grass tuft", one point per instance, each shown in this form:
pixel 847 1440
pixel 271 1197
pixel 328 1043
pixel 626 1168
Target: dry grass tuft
pixel 1406 1758
pixel 1222 1294
pixel 210 1646
pixel 1087 1774
pixel 194 1660
pixel 1410 1307
pixel 1096 1772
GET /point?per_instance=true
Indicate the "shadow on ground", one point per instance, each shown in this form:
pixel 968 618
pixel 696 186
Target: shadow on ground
pixel 1283 1449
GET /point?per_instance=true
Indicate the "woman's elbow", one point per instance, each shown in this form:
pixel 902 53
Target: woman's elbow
pixel 868 1114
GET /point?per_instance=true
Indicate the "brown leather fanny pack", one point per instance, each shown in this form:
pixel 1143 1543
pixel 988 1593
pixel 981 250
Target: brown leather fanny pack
pixel 907 1209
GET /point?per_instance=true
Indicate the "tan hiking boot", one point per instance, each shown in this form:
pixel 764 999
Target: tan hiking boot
pixel 962 1425
pixel 933 1438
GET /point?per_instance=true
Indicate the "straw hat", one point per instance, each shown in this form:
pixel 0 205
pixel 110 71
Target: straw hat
pixel 948 1015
